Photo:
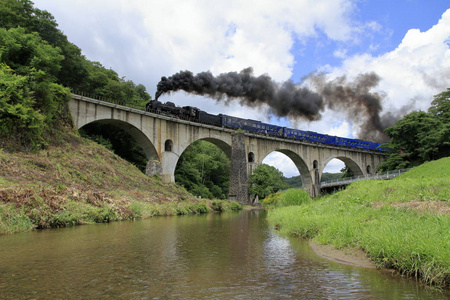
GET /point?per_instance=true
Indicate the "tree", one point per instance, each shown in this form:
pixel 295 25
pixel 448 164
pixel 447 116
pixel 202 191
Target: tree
pixel 420 136
pixel 203 169
pixel 37 59
pixel 346 172
pixel 18 118
pixel 440 106
pixel 29 65
pixel 266 180
pixel 74 70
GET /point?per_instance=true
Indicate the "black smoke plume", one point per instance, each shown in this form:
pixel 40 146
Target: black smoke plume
pixel 287 99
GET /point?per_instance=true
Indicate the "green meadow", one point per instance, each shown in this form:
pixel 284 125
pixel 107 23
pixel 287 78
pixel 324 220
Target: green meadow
pixel 402 224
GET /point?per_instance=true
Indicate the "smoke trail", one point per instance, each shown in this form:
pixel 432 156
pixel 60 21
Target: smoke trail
pixel 354 99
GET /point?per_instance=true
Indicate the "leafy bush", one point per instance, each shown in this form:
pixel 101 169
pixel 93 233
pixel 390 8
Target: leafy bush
pixel 266 180
pixel 270 200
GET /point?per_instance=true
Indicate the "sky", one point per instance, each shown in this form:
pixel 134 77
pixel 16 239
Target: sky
pixel 405 42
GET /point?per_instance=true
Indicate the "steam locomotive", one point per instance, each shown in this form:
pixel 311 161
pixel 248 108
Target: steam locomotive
pixel 194 114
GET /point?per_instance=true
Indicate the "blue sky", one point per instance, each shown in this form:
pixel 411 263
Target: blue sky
pixel 405 42
pixel 395 18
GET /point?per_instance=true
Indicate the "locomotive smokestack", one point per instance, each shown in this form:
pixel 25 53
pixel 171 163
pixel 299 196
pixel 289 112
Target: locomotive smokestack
pixel 289 99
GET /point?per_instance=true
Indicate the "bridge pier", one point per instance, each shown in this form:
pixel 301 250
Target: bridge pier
pixel 153 168
pixel 238 170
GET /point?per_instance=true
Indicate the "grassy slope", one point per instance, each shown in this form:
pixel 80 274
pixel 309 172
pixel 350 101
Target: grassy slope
pixel 82 182
pixel 402 223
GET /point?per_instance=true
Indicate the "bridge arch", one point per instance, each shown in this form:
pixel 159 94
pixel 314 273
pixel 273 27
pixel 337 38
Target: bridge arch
pixel 356 169
pixel 143 141
pixel 301 165
pixel 170 158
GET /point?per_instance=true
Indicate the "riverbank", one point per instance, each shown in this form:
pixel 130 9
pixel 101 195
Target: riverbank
pixel 80 182
pixel 348 256
pixel 401 224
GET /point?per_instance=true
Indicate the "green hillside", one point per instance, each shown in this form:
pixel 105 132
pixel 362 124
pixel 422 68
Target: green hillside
pixel 82 182
pixel 403 223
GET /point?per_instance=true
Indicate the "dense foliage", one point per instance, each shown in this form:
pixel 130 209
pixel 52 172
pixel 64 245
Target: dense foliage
pixel 30 99
pixel 203 169
pixel 420 136
pixel 37 66
pixel 266 180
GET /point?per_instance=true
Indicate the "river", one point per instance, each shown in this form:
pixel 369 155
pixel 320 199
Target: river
pixel 215 256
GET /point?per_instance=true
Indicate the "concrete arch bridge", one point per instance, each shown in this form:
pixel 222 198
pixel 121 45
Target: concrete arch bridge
pixel 164 139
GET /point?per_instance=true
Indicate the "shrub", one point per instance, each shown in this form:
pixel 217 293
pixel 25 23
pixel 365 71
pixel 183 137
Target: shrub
pixel 270 200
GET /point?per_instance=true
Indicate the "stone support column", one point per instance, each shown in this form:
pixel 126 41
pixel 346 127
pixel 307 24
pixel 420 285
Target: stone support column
pixel 153 168
pixel 238 170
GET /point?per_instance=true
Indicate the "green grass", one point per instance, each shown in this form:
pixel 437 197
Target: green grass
pixel 14 220
pixel 27 211
pixel 291 197
pixel 379 217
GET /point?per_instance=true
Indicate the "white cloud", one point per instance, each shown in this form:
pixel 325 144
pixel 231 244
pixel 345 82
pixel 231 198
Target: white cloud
pixel 416 70
pixel 144 40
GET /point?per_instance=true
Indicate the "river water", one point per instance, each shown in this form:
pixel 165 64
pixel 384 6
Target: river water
pixel 214 256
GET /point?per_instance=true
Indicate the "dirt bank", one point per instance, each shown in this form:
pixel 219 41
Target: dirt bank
pixel 347 256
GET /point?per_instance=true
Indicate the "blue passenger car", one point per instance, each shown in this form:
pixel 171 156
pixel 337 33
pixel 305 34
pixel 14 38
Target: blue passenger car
pixel 310 136
pixel 252 126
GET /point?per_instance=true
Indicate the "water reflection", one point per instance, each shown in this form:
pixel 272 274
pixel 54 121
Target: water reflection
pixel 227 256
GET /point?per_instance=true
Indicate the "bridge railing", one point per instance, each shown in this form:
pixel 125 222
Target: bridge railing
pixel 378 176
pixel 137 106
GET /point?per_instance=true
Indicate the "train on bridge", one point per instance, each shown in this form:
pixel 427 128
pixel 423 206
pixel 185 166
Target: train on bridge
pixel 197 115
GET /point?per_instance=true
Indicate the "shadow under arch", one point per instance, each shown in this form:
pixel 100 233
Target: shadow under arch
pixel 302 167
pixel 140 138
pixel 351 164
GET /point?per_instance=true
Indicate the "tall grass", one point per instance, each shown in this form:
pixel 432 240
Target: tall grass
pixel 367 216
pixel 28 210
pixel 13 220
pixel 291 197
